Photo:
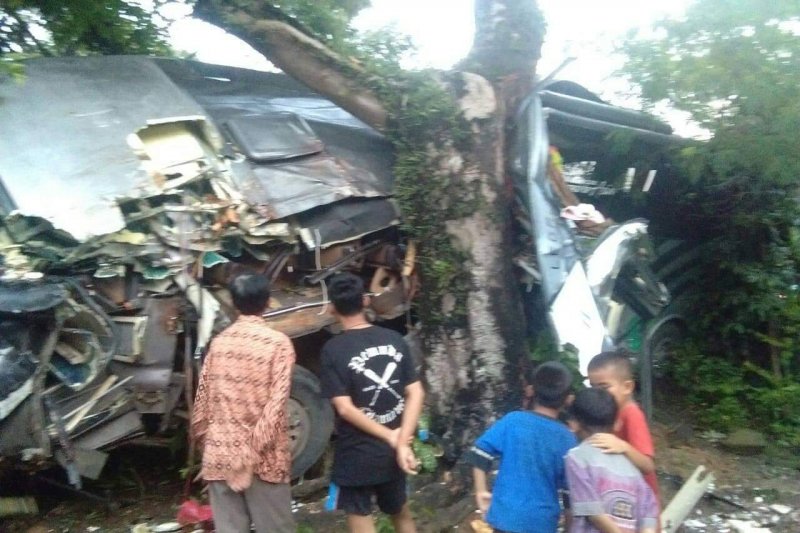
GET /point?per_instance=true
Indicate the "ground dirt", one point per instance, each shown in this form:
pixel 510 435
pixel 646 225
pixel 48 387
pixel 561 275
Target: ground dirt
pixel 144 485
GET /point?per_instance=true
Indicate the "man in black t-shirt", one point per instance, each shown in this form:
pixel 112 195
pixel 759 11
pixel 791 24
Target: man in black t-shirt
pixel 369 375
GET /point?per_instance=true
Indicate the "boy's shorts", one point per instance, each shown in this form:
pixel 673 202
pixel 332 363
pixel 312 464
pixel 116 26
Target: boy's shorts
pixel 390 496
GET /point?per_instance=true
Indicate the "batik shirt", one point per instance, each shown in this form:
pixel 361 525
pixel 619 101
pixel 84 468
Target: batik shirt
pixel 240 413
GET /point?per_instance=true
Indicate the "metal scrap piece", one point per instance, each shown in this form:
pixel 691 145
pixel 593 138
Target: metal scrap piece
pixel 684 501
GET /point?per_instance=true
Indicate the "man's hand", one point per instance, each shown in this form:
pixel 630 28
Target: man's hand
pixel 483 499
pixel 241 479
pixel 406 459
pixel 609 443
pixel 393 437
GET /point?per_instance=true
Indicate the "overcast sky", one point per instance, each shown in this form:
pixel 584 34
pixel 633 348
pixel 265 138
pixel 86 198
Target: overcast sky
pixel 442 31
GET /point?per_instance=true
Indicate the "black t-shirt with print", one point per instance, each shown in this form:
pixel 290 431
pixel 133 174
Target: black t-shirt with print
pixel 372 366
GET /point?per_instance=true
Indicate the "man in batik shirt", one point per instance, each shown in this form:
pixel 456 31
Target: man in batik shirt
pixel 240 418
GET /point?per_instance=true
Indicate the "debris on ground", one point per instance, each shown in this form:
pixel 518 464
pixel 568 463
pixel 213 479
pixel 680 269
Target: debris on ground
pixel 685 500
pixel 753 492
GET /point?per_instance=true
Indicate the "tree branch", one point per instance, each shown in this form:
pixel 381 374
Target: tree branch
pixel 299 56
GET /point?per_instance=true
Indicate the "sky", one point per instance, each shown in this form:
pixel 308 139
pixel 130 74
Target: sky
pixel 442 32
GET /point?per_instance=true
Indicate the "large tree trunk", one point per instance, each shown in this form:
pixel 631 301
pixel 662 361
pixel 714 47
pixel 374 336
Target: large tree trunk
pixel 496 75
pixel 471 371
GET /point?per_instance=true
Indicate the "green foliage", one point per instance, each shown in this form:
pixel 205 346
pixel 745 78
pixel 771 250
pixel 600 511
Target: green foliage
pixel 545 348
pixel 78 27
pixel 734 65
pixel 426 455
pixel 328 21
pixel 384 524
pixel 723 58
pixel 714 388
pixel 726 396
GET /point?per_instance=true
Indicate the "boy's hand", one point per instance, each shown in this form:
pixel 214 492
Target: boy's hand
pixel 407 460
pixel 483 499
pixel 609 443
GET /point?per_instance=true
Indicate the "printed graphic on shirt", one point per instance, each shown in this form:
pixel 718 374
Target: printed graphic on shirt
pixel 377 374
pixel 620 505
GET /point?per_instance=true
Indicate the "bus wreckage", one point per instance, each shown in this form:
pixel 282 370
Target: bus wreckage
pixel 133 189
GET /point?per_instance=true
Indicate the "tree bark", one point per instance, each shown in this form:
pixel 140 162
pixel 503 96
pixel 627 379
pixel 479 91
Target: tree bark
pixel 496 76
pixel 298 55
pixel 471 373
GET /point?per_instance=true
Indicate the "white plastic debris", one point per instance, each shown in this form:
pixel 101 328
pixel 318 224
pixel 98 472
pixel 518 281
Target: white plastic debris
pixel 780 509
pixel 695 524
pixel 758 499
pixel 712 436
pixel 742 526
pixel 166 527
pixel 92 529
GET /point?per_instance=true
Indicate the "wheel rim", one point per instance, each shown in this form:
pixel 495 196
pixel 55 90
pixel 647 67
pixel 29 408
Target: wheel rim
pixel 299 426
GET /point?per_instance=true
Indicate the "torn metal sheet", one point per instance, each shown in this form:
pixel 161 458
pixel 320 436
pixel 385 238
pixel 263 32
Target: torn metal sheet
pixel 287 188
pixel 81 111
pixel 89 463
pixel 575 318
pixel 228 93
pixel 78 113
pixel 24 297
pixel 343 221
pixel 208 308
pixel 126 426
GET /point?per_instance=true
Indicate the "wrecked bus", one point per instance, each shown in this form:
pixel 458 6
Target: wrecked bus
pixel 133 188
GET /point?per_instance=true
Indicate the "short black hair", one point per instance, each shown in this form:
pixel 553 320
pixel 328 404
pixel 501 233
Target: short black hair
pixel 552 383
pixel 250 293
pixel 595 410
pixel 620 360
pixel 346 292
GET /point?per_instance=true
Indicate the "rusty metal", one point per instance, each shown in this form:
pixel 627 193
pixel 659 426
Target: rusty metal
pixel 113 432
pixel 337 266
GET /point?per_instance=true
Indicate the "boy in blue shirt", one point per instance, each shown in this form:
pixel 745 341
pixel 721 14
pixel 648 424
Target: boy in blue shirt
pixel 531 446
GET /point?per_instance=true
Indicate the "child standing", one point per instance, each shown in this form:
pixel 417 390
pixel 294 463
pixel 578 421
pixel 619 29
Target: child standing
pixel 613 372
pixel 531 446
pixel 607 491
